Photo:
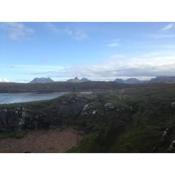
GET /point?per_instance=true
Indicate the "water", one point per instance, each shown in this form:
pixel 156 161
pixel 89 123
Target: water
pixel 8 98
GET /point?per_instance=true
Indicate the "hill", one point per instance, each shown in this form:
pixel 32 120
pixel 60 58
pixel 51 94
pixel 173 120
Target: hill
pixel 129 81
pixel 158 79
pixel 58 86
pixel 163 79
pixel 129 119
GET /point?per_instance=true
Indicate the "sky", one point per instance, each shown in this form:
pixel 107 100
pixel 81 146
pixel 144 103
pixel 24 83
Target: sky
pixel 97 51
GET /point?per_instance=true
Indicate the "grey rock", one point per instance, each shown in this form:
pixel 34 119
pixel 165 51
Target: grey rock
pixel 94 112
pixel 171 147
pixel 165 132
pixel 109 106
pixel 86 107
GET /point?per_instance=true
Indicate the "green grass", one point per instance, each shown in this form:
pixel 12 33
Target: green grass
pixel 13 134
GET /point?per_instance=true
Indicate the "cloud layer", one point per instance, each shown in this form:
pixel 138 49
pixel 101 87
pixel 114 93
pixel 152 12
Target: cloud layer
pixel 4 80
pixel 17 31
pixel 170 26
pixel 74 33
pixel 143 67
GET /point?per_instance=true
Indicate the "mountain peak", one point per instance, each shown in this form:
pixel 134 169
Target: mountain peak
pixel 77 80
pixel 128 81
pixel 42 80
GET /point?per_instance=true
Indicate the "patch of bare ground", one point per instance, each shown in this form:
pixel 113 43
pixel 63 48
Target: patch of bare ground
pixel 42 141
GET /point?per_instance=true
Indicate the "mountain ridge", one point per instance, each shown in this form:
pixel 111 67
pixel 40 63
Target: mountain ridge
pixel 41 80
pixel 77 80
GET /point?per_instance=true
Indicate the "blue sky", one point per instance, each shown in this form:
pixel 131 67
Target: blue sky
pixel 98 51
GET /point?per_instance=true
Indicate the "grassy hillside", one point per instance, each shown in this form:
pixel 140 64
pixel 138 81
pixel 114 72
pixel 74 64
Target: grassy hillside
pixel 58 86
pixel 74 86
pixel 130 119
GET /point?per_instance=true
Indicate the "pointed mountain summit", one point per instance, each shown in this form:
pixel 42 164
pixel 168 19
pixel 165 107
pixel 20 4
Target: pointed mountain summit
pixel 77 80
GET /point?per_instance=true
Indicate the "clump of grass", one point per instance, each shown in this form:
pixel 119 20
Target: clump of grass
pixel 12 134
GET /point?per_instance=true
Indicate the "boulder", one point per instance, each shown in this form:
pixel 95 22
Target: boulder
pixel 109 106
pixel 89 110
pixel 86 107
pixel 94 112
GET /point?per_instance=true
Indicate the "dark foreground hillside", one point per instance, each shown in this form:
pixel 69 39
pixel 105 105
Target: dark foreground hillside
pixel 134 119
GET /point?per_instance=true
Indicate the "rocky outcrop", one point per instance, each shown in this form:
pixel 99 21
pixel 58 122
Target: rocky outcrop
pixel 171 147
pixel 89 110
pixel 9 119
pixel 73 109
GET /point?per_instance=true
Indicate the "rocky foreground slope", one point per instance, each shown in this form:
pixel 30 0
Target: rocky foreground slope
pixel 138 119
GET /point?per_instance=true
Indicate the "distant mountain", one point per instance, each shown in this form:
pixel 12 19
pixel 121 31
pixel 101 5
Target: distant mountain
pixel 118 80
pixel 132 81
pixel 42 80
pixel 163 79
pixel 158 79
pixel 84 80
pixel 74 80
pixel 128 81
pixel 77 80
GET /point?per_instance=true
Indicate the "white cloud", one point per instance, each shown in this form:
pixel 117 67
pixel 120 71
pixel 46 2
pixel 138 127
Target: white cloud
pixel 146 66
pixel 168 27
pixel 17 31
pixel 166 32
pixel 52 27
pixel 74 33
pixel 4 80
